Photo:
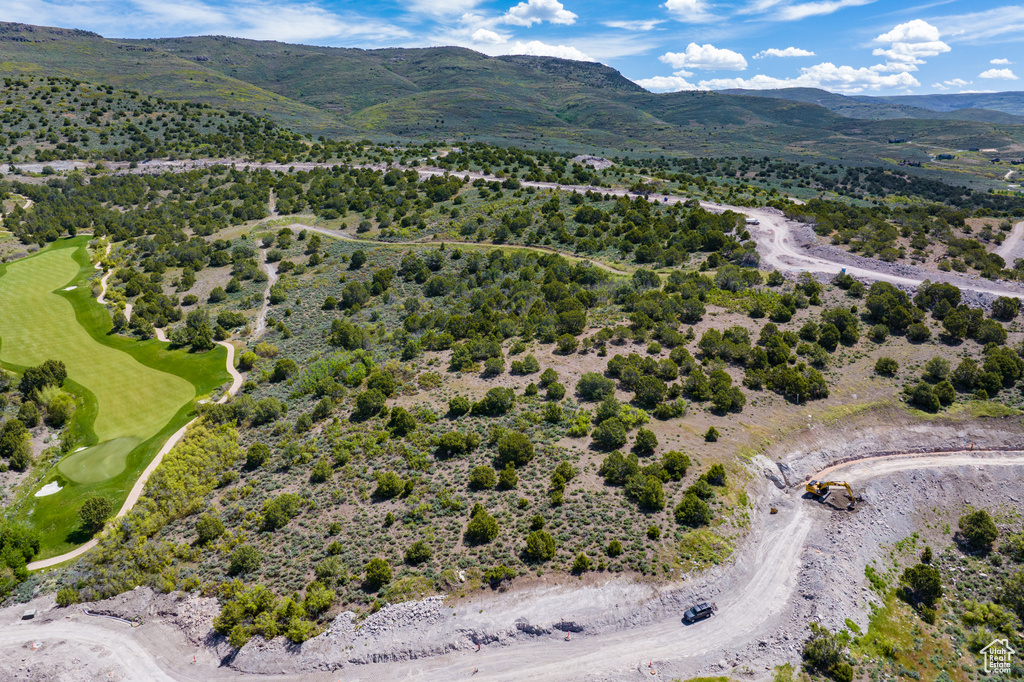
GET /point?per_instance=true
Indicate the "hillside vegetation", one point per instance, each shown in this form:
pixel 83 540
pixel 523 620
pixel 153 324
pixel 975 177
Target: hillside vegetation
pixel 457 93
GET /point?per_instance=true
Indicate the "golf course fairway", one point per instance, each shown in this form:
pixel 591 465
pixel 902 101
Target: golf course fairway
pixel 132 394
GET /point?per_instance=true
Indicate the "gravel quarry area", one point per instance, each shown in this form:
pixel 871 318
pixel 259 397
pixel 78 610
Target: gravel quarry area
pixel 804 563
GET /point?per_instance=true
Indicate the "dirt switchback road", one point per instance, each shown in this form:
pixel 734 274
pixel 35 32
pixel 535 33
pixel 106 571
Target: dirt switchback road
pixel 753 595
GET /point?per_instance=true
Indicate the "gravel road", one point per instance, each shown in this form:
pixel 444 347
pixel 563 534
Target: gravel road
pixel 785 574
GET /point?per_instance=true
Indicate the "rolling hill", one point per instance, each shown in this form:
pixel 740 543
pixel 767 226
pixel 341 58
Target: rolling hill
pixel 456 93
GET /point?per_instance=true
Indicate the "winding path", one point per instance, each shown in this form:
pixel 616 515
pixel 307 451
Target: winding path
pixel 757 589
pixel 272 277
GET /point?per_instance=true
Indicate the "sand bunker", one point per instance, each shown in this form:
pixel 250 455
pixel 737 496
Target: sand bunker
pixel 48 489
pixel 70 288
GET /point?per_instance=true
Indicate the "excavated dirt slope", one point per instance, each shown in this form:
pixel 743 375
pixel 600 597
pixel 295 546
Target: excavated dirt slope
pixel 804 563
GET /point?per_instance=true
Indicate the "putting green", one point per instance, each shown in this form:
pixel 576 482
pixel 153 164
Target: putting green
pixel 99 462
pixel 134 401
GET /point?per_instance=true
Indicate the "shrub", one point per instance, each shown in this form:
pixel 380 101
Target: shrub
pixel 418 553
pixel 378 573
pixel 496 402
pixel 278 511
pixel 257 455
pixel 322 471
pixel 548 376
pixel 978 529
pixel 581 564
pixel 614 548
pixel 886 366
pixel 508 478
pixel 593 387
pixel 567 344
pixel 711 435
pixel 649 391
pixel 383 382
pixel 653 532
pixel 401 423
pixel 244 559
pixel 921 584
pixel 369 403
pixel 646 443
pixel 918 332
pixel 540 547
pixel 610 434
pixel 824 651
pixel 389 485
pixel 715 475
pixel 482 478
pixel 514 448
pixel 556 391
pixel 454 443
pixel 693 512
pixel 94 512
pixel 209 527
pixel 482 527
pixel 675 464
pixel 66 596
pixel 284 368
pixel 493 367
pixel 459 405
pixel 936 369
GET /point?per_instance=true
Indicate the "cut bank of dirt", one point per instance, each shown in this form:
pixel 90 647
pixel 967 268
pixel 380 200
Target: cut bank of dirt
pixel 805 563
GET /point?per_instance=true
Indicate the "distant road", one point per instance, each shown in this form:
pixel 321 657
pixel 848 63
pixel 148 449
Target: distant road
pixel 774 236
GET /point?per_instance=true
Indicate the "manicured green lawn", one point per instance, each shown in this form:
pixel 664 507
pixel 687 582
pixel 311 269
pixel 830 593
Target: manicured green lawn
pixel 136 393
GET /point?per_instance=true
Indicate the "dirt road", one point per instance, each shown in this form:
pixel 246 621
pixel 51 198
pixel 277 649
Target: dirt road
pixel 753 595
pixel 1010 248
pixel 774 236
pixel 261 319
pixel 336 234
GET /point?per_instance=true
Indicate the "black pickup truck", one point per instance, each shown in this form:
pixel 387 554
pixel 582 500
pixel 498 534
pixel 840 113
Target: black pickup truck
pixel 699 612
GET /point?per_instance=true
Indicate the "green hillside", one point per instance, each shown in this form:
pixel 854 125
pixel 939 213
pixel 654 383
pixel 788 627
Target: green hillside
pixel 457 94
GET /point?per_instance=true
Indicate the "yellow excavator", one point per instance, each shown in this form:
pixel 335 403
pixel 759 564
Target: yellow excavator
pixel 822 489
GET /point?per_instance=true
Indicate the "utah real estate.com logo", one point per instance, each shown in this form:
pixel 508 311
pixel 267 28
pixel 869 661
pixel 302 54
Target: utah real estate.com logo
pixel 997 656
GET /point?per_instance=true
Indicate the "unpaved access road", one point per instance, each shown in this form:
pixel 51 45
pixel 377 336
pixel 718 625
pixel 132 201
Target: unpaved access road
pixel 774 236
pixel 1010 248
pixel 755 596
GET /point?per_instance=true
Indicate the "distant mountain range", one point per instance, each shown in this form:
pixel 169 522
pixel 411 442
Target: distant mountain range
pixel 991 107
pixel 456 93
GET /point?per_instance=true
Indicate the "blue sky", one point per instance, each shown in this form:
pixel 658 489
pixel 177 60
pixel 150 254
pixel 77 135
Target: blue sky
pixel 846 46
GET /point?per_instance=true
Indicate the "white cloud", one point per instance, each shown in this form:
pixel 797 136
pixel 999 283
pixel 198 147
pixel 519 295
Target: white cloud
pixel 1002 23
pixel 257 19
pixel 916 31
pixel 1000 61
pixel 826 75
pixel 537 11
pixel 909 43
pixel 706 57
pixel 539 49
pixel 484 35
pixel 1005 74
pixel 440 8
pixel 691 11
pixel 637 25
pixel 953 83
pixel 787 52
pixel 665 84
pixel 816 9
